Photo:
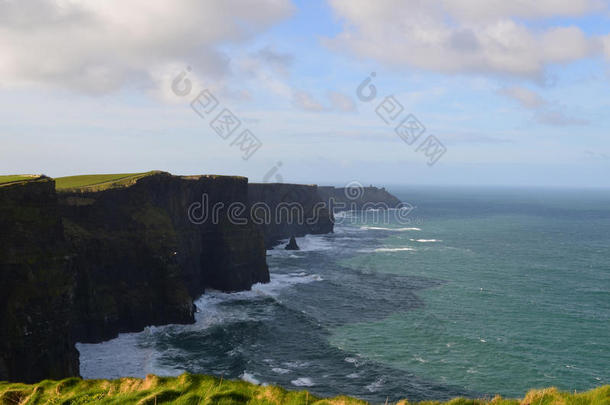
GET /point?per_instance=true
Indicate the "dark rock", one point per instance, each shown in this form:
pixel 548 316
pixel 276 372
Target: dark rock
pixel 292 245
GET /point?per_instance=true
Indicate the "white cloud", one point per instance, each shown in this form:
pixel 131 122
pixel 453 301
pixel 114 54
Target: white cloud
pixel 544 112
pixel 341 102
pixel 98 46
pixel 526 97
pixel 305 101
pixel 606 46
pixel 279 61
pixel 476 10
pixel 558 118
pixel 463 36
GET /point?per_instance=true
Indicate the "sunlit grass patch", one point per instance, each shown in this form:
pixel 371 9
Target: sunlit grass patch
pixel 15 178
pixel 98 182
pixel 193 389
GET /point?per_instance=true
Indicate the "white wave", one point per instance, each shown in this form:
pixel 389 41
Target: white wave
pixel 128 355
pixel 280 370
pixel 281 281
pixel 379 228
pixel 376 385
pixel 343 214
pixel 310 243
pixel 303 382
pixel 398 249
pixel 353 375
pixel 277 283
pixel 296 364
pixel 134 354
pixel 248 377
pixel 425 240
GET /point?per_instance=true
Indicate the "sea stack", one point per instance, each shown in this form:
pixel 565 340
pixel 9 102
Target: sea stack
pixel 292 245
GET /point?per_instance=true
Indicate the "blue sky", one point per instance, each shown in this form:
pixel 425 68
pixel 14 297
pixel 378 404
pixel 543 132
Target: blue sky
pixel 517 95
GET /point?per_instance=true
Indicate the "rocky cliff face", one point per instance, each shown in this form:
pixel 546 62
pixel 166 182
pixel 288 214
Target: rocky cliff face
pixel 141 260
pixel 84 266
pixel 285 210
pixel 359 198
pixel 37 281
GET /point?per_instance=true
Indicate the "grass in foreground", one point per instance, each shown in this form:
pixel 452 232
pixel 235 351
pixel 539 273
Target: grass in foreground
pixel 98 182
pixel 202 390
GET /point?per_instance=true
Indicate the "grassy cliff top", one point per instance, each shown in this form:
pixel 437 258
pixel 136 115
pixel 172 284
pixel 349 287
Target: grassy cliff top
pixel 201 390
pixel 99 182
pixel 16 178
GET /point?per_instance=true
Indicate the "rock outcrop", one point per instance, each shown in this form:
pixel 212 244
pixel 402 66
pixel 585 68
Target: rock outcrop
pixel 292 244
pixel 285 210
pixel 37 284
pixel 359 198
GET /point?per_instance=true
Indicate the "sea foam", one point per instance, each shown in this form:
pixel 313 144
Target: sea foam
pixel 379 228
pixel 303 382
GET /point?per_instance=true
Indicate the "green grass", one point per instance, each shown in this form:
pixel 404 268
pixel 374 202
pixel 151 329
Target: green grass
pixel 14 178
pixel 98 182
pixel 202 390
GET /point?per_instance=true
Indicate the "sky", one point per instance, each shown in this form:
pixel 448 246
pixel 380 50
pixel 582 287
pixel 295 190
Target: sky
pixel 434 92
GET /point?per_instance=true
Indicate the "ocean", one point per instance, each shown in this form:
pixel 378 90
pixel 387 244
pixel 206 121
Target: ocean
pixel 481 291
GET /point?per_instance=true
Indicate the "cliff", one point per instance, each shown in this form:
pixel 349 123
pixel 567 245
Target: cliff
pixel 87 257
pixel 88 262
pixel 359 198
pixel 37 282
pixel 285 210
pixel 141 260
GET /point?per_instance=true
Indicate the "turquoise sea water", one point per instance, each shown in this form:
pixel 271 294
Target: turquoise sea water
pixel 485 291
pixel 524 298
